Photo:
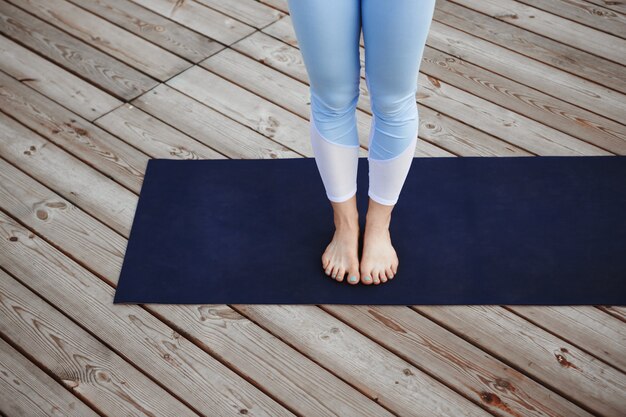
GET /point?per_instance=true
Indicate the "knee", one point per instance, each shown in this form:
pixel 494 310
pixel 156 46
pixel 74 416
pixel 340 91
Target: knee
pixel 395 109
pixel 334 99
pixel 395 124
pixel 333 111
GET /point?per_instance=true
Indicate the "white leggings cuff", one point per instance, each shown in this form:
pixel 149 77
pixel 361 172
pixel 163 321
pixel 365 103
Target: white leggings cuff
pixel 342 198
pixel 337 165
pixel 387 176
pixel 381 200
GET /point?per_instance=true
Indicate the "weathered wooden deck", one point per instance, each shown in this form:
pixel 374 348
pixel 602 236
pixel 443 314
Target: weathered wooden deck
pixel 90 90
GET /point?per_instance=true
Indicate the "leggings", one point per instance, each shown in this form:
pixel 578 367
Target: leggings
pixel 394 34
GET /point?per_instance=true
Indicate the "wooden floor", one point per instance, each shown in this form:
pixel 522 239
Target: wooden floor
pixel 90 90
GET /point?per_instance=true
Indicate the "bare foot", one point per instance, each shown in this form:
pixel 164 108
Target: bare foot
pixel 379 262
pixel 342 253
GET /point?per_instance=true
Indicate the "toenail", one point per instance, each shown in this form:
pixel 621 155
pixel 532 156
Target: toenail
pixel 352 278
pixel 368 279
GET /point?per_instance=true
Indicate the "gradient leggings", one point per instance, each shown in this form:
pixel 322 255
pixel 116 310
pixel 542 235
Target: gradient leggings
pixel 394 34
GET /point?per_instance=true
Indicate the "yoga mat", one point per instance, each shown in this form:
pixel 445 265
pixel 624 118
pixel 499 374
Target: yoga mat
pixel 547 230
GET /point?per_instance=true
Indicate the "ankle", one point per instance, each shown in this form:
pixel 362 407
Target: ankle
pixel 347 222
pixel 377 221
pixel 346 215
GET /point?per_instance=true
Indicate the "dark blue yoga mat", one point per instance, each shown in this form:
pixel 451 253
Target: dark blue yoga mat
pixel 547 230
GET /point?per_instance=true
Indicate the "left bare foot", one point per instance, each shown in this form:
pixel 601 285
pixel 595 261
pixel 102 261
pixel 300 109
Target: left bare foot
pixel 341 256
pixel 379 261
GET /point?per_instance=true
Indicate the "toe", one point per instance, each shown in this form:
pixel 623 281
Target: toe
pixel 329 270
pixel 382 276
pixel 389 273
pixel 366 275
pixel 334 271
pixel 353 274
pixel 353 278
pixel 341 274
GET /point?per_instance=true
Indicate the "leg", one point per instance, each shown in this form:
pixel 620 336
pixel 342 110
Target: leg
pixel 395 36
pixel 328 34
pixel 328 37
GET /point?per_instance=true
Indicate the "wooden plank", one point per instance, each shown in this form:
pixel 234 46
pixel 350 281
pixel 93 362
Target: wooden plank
pixel 276 52
pixel 460 138
pixel 263 80
pixel 70 131
pixel 28 150
pixel 609 4
pixel 252 12
pixel 615 311
pixel 548 79
pixel 189 372
pixel 553 27
pixel 277 4
pixel 543 108
pixel 83 60
pixel 589 328
pixel 54 82
pixel 427 149
pixel 533 45
pixel 176 38
pixel 503 390
pixel 152 136
pixel 221 133
pixel 244 107
pixel 26 390
pixel 200 18
pixel 76 359
pixel 38 207
pixel 107 37
pixel 564 368
pixel 390 380
pixel 304 386
pixel 584 13
pixel 505 124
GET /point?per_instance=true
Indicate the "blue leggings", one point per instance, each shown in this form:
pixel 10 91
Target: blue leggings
pixel 394 34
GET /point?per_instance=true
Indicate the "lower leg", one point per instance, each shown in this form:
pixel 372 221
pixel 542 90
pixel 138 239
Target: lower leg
pixel 395 36
pixel 337 165
pixel 379 262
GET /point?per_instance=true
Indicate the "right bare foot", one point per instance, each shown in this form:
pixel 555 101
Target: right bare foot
pixel 379 261
pixel 342 253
